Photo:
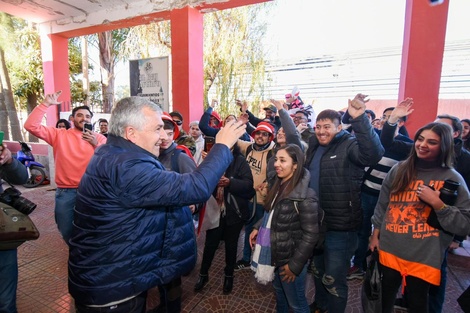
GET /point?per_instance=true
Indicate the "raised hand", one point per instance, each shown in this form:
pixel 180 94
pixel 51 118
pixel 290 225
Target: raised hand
pixel 229 134
pixel 357 106
pixel 214 103
pixel 51 99
pixel 244 118
pixel 279 104
pixel 242 104
pixel 401 110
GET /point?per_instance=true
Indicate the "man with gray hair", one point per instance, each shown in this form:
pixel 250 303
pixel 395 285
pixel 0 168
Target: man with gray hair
pixel 131 230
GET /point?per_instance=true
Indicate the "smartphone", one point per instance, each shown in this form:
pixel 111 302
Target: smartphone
pixel 1 137
pixel 208 143
pixel 87 126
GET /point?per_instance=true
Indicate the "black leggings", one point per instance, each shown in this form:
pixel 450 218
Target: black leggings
pixel 228 233
pixel 417 291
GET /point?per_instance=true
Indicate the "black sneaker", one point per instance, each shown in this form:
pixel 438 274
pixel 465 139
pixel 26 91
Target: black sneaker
pixel 242 265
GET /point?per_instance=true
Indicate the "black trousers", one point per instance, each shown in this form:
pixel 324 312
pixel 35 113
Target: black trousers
pixel 170 295
pixel 227 233
pixel 417 291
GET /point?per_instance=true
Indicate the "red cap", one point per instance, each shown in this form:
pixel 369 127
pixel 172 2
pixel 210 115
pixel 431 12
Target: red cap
pixel 176 131
pixel 217 116
pixel 266 127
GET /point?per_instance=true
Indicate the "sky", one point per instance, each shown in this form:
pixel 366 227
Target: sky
pixel 300 28
pixel 308 28
pixel 314 27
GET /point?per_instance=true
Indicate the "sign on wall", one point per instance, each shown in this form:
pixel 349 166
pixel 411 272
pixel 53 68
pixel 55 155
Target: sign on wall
pixel 149 79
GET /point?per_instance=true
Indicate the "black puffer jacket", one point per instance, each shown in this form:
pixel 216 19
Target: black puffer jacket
pixel 238 194
pixel 342 170
pixel 294 227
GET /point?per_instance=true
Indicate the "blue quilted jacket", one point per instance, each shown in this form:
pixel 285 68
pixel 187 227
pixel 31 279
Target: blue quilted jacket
pixel 131 231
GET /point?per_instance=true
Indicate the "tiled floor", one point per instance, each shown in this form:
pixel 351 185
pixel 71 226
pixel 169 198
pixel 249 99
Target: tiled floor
pixel 43 275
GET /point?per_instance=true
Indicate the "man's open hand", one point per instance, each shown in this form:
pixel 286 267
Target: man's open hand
pixel 52 99
pixel 357 106
pixel 229 134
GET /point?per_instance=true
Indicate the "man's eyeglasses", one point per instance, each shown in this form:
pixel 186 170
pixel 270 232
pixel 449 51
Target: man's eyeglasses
pixel 264 134
pixel 179 123
pixel 299 118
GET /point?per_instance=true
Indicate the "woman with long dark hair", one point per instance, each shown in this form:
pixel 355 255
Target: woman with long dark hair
pixel 285 237
pixel 411 248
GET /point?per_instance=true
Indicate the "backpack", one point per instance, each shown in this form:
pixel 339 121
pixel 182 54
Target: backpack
pixel 252 208
pixel 175 155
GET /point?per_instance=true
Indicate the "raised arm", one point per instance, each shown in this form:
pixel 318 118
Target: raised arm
pixel 33 123
pixel 292 136
pixel 204 126
pixel 389 129
pixel 368 149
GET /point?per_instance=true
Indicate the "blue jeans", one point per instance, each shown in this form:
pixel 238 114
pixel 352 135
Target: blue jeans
pixel 8 280
pixel 291 294
pixel 331 268
pixel 368 205
pixel 248 228
pixel 64 207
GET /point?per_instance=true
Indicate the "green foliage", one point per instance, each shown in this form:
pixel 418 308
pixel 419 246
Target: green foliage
pixel 147 41
pixel 233 53
pixel 26 73
pixel 234 56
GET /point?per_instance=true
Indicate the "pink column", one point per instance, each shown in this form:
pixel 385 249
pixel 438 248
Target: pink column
pixel 423 49
pixel 187 63
pixel 55 58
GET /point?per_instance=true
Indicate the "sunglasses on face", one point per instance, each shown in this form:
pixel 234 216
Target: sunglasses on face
pixel 264 134
pixel 179 123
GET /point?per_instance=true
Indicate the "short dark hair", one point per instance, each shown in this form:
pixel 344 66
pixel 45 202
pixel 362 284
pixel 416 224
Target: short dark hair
pixel 168 125
pixel 177 114
pixel 66 123
pixel 403 118
pixel 332 115
pixel 82 107
pixel 456 123
pixel 101 120
pixel 372 114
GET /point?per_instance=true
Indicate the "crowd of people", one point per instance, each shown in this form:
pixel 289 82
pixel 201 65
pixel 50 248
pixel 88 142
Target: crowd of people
pixel 312 193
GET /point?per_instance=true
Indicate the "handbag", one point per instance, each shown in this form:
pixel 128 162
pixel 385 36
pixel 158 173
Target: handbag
pixel 15 228
pixel 371 294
